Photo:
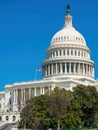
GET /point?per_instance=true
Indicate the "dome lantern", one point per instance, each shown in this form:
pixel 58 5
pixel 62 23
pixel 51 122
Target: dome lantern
pixel 68 17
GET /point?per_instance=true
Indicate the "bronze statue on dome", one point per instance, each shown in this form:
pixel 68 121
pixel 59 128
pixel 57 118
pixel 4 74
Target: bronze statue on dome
pixel 68 9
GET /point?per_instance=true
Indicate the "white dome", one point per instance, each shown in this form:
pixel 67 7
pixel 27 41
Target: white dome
pixel 68 35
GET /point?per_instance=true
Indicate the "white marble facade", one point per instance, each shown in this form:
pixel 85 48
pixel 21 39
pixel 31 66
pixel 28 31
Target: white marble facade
pixel 67 64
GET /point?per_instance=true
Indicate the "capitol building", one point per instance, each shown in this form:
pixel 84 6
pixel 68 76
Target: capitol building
pixel 67 64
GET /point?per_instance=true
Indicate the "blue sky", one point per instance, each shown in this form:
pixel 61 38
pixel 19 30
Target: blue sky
pixel 26 29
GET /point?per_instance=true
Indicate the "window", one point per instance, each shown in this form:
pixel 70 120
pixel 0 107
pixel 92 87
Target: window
pixel 10 101
pixel 71 53
pixel 64 37
pixel 72 68
pixel 53 54
pixel 67 37
pixel 78 53
pixel 0 106
pixel 63 68
pixel 14 118
pixel 68 52
pixel 75 53
pixel 77 68
pixel 7 118
pixel 67 68
pixel 60 53
pixel 0 118
pixel 61 38
pixel 58 68
pixel 82 53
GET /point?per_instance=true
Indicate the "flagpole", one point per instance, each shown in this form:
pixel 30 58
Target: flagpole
pixel 35 73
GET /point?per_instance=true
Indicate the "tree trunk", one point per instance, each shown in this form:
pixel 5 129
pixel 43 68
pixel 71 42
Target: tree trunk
pixel 58 124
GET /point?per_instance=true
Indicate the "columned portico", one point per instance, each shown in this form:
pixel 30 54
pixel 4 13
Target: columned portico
pixel 21 96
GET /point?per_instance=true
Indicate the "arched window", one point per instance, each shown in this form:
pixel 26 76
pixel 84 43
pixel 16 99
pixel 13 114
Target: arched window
pixel 7 118
pixel 14 118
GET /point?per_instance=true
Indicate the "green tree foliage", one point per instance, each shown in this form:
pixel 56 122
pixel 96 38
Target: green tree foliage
pixel 58 102
pixel 87 97
pixel 62 109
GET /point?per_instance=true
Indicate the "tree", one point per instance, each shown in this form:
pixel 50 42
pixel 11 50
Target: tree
pixel 58 102
pixel 87 97
pixel 34 113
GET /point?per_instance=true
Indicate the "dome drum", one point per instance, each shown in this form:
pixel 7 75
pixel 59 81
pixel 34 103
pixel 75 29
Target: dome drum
pixel 68 52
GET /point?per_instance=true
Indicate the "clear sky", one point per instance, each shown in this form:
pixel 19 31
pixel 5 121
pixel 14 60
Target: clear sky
pixel 26 29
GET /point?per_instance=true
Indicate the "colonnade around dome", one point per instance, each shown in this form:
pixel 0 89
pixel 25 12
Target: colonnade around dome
pixel 68 68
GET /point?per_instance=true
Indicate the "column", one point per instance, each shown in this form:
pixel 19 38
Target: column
pixel 29 93
pixel 89 70
pixel 86 69
pixel 58 53
pixel 62 52
pixel 16 96
pixel 74 68
pixel 24 95
pixel 51 69
pixel 43 90
pixel 48 69
pixel 45 70
pixel 93 71
pixel 65 69
pixel 61 68
pixel 83 70
pixel 34 91
pixel 21 96
pixel 52 54
pixel 56 69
